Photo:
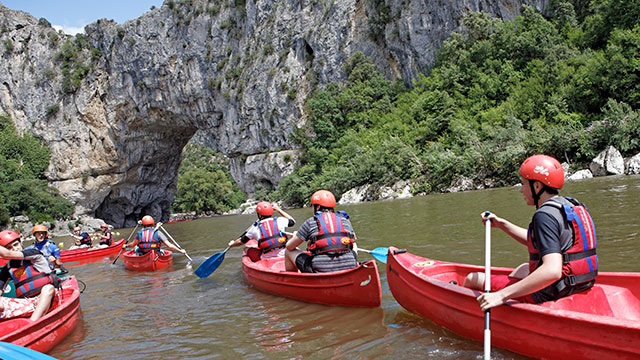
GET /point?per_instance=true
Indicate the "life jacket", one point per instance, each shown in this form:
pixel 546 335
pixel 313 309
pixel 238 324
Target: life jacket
pixel 580 262
pixel 86 239
pixel 148 239
pixel 108 241
pixel 331 235
pixel 270 237
pixel 28 281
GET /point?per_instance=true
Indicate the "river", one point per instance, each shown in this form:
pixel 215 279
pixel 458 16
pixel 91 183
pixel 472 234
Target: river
pixel 173 314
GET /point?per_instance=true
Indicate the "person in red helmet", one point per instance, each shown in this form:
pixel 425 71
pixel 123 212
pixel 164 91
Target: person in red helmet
pixel 561 240
pixel 332 241
pixel 268 230
pixel 29 270
pixel 149 238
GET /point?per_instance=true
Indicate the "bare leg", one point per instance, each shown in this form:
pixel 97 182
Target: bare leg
pixel 44 302
pixel 521 272
pixel 290 259
pixel 474 281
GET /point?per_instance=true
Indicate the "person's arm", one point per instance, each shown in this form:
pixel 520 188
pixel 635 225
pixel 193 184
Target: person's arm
pixel 10 254
pixel 515 231
pixel 549 272
pixel 284 214
pixel 294 242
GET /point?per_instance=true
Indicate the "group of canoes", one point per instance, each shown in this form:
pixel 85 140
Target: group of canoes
pixel 47 331
pixel 600 323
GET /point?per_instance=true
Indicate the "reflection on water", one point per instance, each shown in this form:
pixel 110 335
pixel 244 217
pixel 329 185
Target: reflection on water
pixel 173 314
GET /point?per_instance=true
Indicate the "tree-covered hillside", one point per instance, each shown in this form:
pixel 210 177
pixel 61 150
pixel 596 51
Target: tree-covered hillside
pixel 567 86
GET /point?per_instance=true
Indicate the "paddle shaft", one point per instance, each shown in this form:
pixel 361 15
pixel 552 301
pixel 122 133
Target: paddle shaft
pixel 487 286
pixel 125 243
pixel 175 242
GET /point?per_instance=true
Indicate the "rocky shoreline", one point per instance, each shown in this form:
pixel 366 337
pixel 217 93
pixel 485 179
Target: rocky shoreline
pixel 608 162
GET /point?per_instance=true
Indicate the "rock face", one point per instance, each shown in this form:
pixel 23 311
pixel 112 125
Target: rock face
pixel 608 162
pixel 117 105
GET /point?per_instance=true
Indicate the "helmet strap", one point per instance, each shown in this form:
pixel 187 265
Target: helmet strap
pixel 534 194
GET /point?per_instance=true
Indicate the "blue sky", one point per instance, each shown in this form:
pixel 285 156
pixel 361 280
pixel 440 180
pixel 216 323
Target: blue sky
pixel 72 15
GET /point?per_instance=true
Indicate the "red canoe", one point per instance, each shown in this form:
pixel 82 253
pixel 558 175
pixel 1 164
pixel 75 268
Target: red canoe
pixel 150 261
pixel 45 333
pixel 358 287
pixel 86 255
pixel 602 323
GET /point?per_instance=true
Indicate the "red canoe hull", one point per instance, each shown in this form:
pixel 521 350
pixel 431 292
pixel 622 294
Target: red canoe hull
pixel 86 255
pixel 359 287
pixel 150 261
pixel 602 323
pixel 45 333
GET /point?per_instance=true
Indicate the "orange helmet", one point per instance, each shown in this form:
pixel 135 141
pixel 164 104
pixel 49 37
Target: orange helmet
pixel 147 220
pixel 7 237
pixel 104 226
pixel 264 208
pixel 543 168
pixel 323 198
pixel 40 228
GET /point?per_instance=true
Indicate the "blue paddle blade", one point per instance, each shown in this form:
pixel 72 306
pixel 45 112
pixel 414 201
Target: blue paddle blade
pixel 380 254
pixel 210 265
pixel 15 352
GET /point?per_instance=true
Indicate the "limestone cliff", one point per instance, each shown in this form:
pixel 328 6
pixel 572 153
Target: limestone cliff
pixel 117 105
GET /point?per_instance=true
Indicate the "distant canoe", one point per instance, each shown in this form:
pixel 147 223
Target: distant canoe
pixel 80 256
pixel 359 287
pixel 45 333
pixel 601 323
pixel 150 261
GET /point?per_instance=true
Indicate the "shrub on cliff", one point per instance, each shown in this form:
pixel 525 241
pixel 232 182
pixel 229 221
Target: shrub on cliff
pixel 23 187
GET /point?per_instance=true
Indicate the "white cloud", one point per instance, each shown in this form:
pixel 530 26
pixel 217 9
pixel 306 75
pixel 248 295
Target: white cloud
pixel 71 30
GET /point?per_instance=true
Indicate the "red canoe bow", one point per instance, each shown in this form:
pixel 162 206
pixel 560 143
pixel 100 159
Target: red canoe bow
pixel 601 323
pixel 150 261
pixel 45 333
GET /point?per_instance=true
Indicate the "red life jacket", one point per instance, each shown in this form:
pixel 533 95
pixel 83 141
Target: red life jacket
pixel 148 239
pixel 331 235
pixel 270 237
pixel 580 262
pixel 29 282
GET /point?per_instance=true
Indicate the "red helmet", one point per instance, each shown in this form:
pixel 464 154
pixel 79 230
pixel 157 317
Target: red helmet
pixel 104 226
pixel 40 228
pixel 264 208
pixel 543 168
pixel 323 198
pixel 147 220
pixel 7 237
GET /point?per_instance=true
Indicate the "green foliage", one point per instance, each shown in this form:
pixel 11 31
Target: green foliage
pixel 71 59
pixel 567 86
pixel 23 187
pixel 204 183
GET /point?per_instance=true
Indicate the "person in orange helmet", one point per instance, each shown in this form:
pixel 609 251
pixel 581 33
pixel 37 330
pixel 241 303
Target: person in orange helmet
pixel 149 238
pixel 332 241
pixel 43 244
pixel 561 240
pixel 33 278
pixel 269 230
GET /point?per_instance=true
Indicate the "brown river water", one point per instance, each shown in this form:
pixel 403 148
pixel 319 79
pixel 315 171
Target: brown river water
pixel 172 314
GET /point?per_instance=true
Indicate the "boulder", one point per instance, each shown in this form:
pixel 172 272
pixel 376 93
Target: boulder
pixel 632 165
pixel 581 174
pixel 608 162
